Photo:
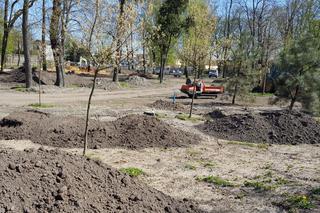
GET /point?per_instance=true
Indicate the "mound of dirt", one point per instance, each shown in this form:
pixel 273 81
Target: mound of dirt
pixel 276 127
pixel 168 105
pixel 53 181
pixel 132 131
pixel 137 81
pixel 216 114
pixel 49 78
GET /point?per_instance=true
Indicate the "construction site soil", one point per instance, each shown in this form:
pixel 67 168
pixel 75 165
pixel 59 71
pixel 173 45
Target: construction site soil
pixel 167 105
pixel 54 181
pixel 131 131
pixel 47 78
pixel 275 127
pixel 72 79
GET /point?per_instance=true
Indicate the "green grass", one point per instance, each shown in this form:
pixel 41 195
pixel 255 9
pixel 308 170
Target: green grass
pixel 132 171
pixel 43 106
pixel 315 191
pixel 190 167
pixel 161 115
pixel 207 163
pixel 20 88
pixel 124 84
pixel 295 202
pixel 193 119
pixel 258 186
pixel 215 180
pixel 256 145
pixel 281 181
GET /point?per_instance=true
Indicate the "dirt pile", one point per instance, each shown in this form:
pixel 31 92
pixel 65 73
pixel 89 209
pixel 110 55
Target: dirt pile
pixel 137 81
pixel 53 181
pixel 47 78
pixel 168 105
pixel 277 127
pixel 132 131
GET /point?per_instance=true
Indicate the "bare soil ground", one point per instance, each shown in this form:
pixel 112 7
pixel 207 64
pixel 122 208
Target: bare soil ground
pixel 280 127
pixel 131 131
pixel 53 181
pixel 259 178
pixel 168 105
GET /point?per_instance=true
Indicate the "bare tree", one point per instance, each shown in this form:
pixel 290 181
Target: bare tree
pixel 43 37
pixel 94 78
pixel 26 44
pixel 118 41
pixel 9 18
pixel 55 38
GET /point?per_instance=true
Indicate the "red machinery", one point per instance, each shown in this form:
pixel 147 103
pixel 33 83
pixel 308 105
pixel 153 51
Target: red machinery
pixel 201 89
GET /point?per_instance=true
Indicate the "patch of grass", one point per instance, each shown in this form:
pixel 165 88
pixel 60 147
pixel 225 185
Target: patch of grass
pixel 281 181
pixel 258 186
pixel 315 191
pixel 161 115
pixel 295 202
pixel 20 88
pixel 132 171
pixel 74 86
pixel 317 119
pixel 190 167
pixel 267 166
pixel 37 105
pixel 215 180
pixel 193 119
pixel 259 145
pixel 193 152
pixel 124 84
pixel 289 167
pixel 268 174
pixel 207 163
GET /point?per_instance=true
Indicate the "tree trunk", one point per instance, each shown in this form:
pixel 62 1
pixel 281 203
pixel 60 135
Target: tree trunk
pixel 27 65
pixel 294 98
pixel 85 146
pixel 144 59
pixel 4 48
pixel 19 52
pixel 235 94
pixel 5 34
pixel 118 41
pixel 43 37
pixel 56 42
pixel 88 112
pixel 132 51
pixel 193 94
pixel 128 56
pixel 186 71
pixel 264 82
pixel 162 66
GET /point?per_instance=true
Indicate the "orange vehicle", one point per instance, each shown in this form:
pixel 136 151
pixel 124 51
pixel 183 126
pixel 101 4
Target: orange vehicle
pixel 201 89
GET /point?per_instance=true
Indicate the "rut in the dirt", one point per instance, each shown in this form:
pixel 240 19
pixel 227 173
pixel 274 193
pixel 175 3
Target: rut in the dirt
pixel 132 131
pixel 276 127
pixel 53 181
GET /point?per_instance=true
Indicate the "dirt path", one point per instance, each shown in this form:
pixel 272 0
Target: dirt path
pixel 13 98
